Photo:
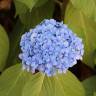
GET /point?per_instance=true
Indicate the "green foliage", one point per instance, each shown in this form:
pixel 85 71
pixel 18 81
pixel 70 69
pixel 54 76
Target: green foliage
pixel 37 14
pixel 18 30
pixel 16 82
pixel 85 28
pixel 88 7
pixel 30 3
pixel 41 2
pixel 4 47
pixel 20 8
pixel 95 94
pixel 27 20
pixel 12 81
pixel 59 85
pixel 90 85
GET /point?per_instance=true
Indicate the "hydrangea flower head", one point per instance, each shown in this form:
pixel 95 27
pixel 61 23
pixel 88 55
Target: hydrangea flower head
pixel 50 47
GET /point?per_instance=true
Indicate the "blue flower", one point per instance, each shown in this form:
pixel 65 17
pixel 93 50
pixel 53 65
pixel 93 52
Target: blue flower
pixel 50 47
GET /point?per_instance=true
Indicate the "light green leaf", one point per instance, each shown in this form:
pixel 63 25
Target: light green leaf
pixel 85 28
pixel 31 3
pixel 90 86
pixel 13 80
pixel 59 85
pixel 4 47
pixel 17 82
pixel 88 7
pixel 95 94
pixel 95 57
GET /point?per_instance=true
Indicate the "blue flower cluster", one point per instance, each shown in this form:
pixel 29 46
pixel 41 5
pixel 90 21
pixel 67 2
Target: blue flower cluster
pixel 50 47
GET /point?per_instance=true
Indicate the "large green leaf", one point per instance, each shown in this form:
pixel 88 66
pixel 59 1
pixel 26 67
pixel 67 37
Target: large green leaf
pixel 31 3
pixel 13 80
pixel 59 85
pixel 90 85
pixel 4 47
pixel 16 82
pixel 85 28
pixel 88 7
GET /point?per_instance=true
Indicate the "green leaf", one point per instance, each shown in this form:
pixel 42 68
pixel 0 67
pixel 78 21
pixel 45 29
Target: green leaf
pixel 88 7
pixel 13 80
pixel 95 57
pixel 16 82
pixel 59 85
pixel 41 2
pixel 4 47
pixel 20 8
pixel 15 37
pixel 95 94
pixel 38 14
pixel 90 85
pixel 31 3
pixel 85 28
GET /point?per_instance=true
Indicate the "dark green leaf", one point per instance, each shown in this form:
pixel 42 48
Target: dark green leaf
pixel 15 37
pixel 30 3
pixel 4 47
pixel 41 2
pixel 38 14
pixel 90 85
pixel 20 8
